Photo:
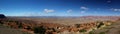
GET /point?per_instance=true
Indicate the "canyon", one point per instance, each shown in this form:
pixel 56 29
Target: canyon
pixel 59 25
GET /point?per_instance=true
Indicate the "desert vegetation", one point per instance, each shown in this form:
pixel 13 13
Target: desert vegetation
pixel 51 28
pixel 33 27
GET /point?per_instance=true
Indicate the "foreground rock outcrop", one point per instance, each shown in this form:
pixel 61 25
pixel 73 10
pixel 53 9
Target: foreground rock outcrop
pixel 2 16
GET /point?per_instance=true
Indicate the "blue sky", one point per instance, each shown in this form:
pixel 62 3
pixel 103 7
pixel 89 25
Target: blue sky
pixel 60 7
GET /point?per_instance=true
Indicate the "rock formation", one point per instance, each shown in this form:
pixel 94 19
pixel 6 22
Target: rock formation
pixel 2 16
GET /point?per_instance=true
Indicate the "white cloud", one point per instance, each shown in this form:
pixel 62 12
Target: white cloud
pixel 109 1
pixel 114 9
pixel 82 12
pixel 84 8
pixel 48 11
pixel 68 11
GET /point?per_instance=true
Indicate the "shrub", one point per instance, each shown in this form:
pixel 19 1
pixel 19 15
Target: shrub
pixel 83 30
pixel 91 32
pixel 20 25
pixel 100 24
pixel 77 25
pixel 102 33
pixel 39 30
pixel 1 22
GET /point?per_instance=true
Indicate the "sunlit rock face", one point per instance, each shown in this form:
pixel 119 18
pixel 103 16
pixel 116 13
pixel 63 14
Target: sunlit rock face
pixel 2 16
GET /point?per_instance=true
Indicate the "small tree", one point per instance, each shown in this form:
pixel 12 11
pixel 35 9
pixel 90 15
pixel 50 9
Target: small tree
pixel 1 22
pixel 39 30
pixel 77 25
pixel 83 30
pixel 100 24
pixel 102 33
pixel 20 25
pixel 91 32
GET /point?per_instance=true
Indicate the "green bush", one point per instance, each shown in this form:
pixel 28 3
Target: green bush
pixel 100 24
pixel 20 25
pixel 77 25
pixel 91 32
pixel 39 30
pixel 83 30
pixel 102 33
pixel 1 22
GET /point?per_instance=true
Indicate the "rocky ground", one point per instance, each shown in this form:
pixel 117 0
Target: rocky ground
pixel 38 27
pixel 55 28
pixel 112 29
pixel 8 30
